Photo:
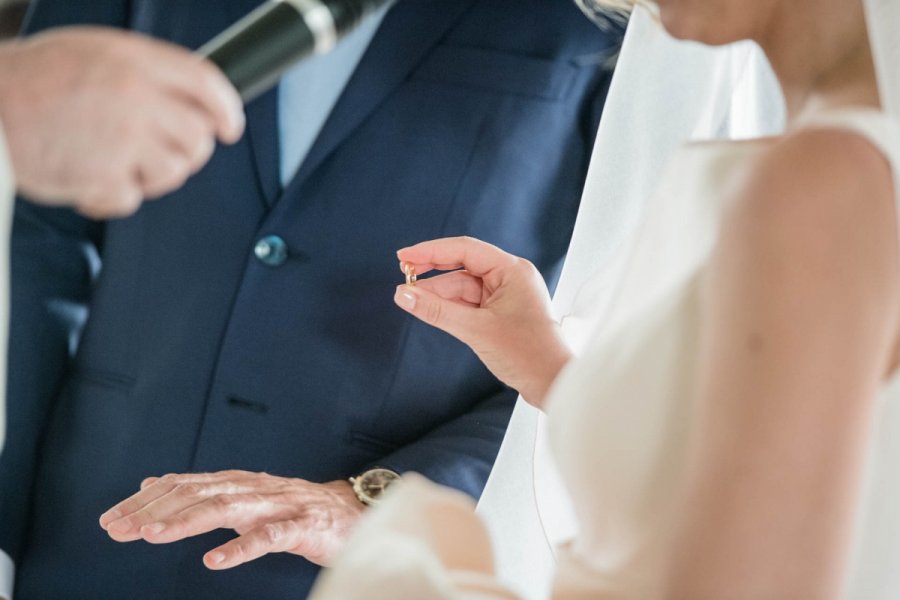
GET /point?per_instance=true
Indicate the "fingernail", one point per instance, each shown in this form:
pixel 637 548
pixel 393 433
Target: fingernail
pixel 216 558
pixel 154 528
pixel 405 299
pixel 109 516
pixel 121 525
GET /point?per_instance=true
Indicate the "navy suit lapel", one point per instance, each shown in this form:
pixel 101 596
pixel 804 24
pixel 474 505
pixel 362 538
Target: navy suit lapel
pixel 262 133
pixel 408 32
pixel 262 124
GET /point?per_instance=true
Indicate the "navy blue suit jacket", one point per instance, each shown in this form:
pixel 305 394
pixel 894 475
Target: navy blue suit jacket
pixel 470 117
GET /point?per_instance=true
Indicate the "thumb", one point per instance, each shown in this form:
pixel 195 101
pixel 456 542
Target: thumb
pixel 452 317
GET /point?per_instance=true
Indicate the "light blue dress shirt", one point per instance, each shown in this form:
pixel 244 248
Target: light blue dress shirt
pixel 309 91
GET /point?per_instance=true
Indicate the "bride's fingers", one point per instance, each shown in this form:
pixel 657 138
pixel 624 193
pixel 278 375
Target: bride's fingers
pixel 475 256
pixel 422 268
pixel 459 286
pixel 458 319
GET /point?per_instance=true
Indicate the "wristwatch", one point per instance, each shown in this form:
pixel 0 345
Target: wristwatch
pixel 371 485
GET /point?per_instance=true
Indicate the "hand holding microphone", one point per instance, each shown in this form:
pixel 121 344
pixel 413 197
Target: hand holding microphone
pixel 102 119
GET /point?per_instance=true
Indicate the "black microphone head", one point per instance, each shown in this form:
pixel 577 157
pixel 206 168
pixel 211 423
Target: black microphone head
pixel 254 52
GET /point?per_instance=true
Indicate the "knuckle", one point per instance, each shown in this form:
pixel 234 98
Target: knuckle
pixel 89 205
pixel 272 533
pixel 138 518
pixel 189 490
pixel 224 502
pixel 239 550
pixel 526 265
pixel 210 82
pixel 177 523
pixel 176 178
pixel 527 268
pixel 433 312
pixel 203 148
pixel 129 202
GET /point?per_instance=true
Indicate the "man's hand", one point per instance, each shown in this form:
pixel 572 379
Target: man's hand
pixel 270 514
pixel 103 118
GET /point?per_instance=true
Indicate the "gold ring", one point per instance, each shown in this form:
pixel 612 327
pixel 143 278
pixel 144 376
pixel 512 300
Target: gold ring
pixel 410 273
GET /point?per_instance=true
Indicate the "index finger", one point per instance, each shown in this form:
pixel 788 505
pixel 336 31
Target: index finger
pixel 153 488
pixel 447 254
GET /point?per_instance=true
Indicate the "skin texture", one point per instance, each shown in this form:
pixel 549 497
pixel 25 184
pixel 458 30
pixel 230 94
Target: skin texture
pixel 103 119
pixel 269 514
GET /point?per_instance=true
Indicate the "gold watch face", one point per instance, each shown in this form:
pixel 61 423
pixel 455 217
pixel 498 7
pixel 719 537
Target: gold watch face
pixel 371 485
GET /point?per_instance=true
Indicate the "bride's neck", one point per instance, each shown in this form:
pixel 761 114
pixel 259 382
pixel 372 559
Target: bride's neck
pixel 822 58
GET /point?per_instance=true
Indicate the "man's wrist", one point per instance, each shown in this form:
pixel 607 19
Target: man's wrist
pixel 371 485
pixel 343 491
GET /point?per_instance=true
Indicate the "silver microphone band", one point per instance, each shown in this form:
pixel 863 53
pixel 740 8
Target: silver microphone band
pixel 320 22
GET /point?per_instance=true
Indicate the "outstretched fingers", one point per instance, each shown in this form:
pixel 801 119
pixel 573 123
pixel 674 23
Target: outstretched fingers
pixel 224 511
pixel 280 536
pixel 160 497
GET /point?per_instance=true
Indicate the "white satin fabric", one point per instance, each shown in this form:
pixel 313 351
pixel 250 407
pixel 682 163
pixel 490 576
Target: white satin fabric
pixel 884 38
pixel 7 190
pixel 663 93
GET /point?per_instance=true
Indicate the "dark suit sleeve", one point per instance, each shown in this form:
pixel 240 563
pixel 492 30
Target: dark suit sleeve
pixel 44 14
pixel 54 260
pixel 461 452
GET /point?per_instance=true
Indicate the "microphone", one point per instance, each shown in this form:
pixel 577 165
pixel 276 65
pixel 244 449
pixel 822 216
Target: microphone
pixel 256 51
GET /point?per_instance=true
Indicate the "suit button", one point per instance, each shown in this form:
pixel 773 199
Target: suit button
pixel 271 251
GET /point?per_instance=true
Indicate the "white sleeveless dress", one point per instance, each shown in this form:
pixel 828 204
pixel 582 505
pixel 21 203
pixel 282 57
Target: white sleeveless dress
pixel 619 416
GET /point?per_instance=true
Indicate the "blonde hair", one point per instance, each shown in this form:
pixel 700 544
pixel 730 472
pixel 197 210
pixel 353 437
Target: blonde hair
pixel 602 11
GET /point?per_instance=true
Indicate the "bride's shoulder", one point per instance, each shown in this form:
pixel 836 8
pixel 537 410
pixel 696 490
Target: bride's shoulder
pixel 812 200
pixel 814 219
pixel 817 174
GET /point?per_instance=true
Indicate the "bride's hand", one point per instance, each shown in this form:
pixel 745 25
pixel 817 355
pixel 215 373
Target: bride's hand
pixel 495 303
